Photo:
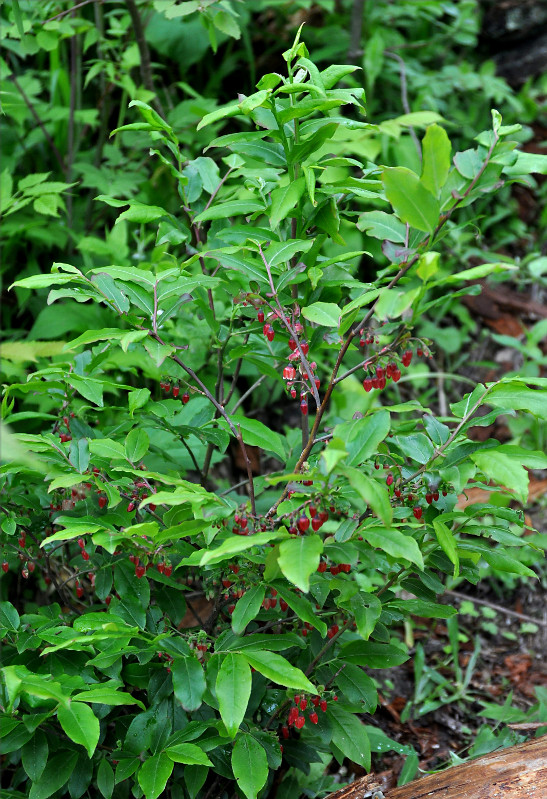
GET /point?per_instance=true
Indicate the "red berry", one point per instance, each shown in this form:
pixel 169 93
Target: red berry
pixel 417 511
pixel 22 541
pixel 429 498
pixel 346 567
pixel 234 568
pixel 367 384
pixel 161 567
pixel 419 352
pixel 185 398
pixel 322 567
pixel 81 543
pixel 292 344
pixel 283 605
pixel 335 698
pixel 85 555
pixel 293 715
pixel 139 571
pixel 303 523
pixel 260 316
pixel 445 493
pixel 435 496
pixel 243 521
pixel 305 347
pixel 289 373
pixel 333 630
pixel 323 705
pixel 226 583
pixel 79 592
pixel 297 699
pixel 389 480
pixel 102 502
pixel 335 570
pixel 273 602
pixel 168 570
pixel 176 391
pixel 24 574
pixel 5 566
pixel 304 407
pixel 285 731
pixel 407 357
pixel 397 492
pixel 316 523
pixel 396 375
pixel 379 372
pixel 152 507
pixel 167 387
pixel 108 600
pixel 131 507
pixel 314 718
pixel 299 722
pixel 293 393
pixel 303 704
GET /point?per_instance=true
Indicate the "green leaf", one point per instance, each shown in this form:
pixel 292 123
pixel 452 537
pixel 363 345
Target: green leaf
pixel 34 755
pixel 230 208
pixel 418 447
pixel 250 765
pixel 257 434
pixel 517 396
pixel 105 779
pixel 372 492
pixel 356 685
pixel 188 682
pixel 299 558
pixel 420 607
pixel 105 695
pixel 280 252
pixel 382 226
pixel 436 150
pixel 373 655
pixel 233 690
pixel 80 724
pixel 504 471
pixel 9 618
pixel 139 212
pixel 284 200
pixel 137 444
pixel 363 436
pixel 503 561
pixel 396 544
pixel 79 454
pixel 154 773
pixel 326 314
pixel 234 544
pixel 301 606
pixel 190 754
pixel 54 776
pixel 107 448
pixel 349 736
pixel 247 608
pixel 279 670
pixel 367 609
pixel 89 388
pixel 448 543
pixel 137 399
pixel 411 201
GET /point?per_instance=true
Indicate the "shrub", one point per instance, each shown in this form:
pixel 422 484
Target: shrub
pixel 206 617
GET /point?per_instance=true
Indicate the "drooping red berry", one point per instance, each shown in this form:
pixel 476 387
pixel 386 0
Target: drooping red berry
pixel 285 731
pixel 314 718
pixel 299 722
pixel 297 699
pixel 303 523
pixel 379 372
pixel 161 567
pixel 292 344
pixel 260 316
pixel 108 600
pixel 429 498
pixel 335 570
pixel 322 567
pixel 419 352
pixel 323 705
pixel 389 480
pixel 24 574
pixel 367 384
pixel 332 631
pixel 397 492
pixel 226 583
pixel 168 570
pixel 85 555
pixel 435 496
pixel 417 511
pixel 81 543
pixel 102 502
pixel 176 391
pixel 407 357
pixel 396 375
pixel 167 387
pixel 304 407
pixel 293 393
pixel 185 398
pixel 305 347
pixel 293 715
pixel 303 704
pixel 139 571
pixel 316 523
pixel 315 701
pixel 346 567
pixel 5 566
pixel 289 373
pixel 283 605
pixel 131 507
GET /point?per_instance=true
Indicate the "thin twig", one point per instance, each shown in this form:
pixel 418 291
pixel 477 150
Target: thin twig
pixel 142 44
pixel 355 51
pixel 71 10
pixel 499 609
pixel 248 392
pixel 404 98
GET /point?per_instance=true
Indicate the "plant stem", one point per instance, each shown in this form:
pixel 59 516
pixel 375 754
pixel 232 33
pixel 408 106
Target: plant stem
pixel 142 44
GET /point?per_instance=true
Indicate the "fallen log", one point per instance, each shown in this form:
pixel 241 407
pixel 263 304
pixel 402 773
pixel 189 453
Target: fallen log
pixel 518 772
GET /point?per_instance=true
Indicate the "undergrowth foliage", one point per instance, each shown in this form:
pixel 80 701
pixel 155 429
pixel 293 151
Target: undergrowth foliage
pixel 207 625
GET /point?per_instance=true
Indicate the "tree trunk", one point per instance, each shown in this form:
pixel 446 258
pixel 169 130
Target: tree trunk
pixel 513 773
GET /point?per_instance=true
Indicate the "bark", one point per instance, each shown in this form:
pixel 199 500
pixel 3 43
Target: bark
pixel 518 772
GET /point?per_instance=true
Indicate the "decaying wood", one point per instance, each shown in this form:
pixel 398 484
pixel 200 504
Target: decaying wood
pixel 519 772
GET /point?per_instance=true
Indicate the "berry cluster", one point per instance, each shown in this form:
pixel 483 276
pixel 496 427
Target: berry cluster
pixel 296 717
pixel 166 386
pixel 376 377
